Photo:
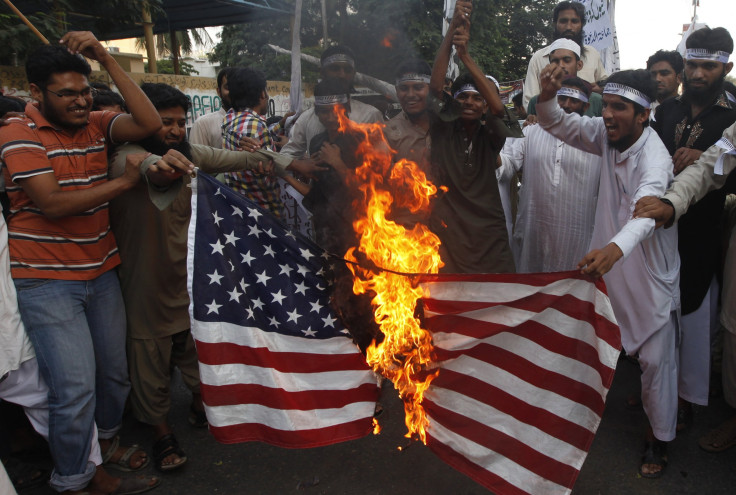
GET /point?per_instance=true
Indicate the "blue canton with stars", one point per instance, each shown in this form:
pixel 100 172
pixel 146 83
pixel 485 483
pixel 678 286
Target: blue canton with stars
pixel 251 271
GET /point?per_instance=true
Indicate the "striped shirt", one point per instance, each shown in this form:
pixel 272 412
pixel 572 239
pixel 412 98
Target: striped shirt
pixel 261 189
pixel 77 247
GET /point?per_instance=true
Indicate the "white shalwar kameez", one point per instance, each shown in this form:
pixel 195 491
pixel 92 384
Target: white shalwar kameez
pixel 557 200
pixel 644 285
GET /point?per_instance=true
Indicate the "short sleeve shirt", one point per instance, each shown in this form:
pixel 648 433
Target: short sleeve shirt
pixel 76 247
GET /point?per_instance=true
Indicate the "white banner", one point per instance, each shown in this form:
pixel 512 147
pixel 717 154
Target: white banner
pixel 600 31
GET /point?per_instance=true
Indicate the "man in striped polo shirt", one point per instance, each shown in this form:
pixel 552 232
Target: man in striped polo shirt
pixel 63 253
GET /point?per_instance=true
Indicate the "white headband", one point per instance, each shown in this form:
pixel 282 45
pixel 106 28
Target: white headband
pixel 329 100
pixel 494 81
pixel 412 77
pixel 466 88
pixel 705 54
pixel 627 92
pixel 572 93
pixel 564 44
pixel 338 58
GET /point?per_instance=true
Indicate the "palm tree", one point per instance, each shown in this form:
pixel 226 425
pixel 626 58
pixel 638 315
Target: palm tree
pixel 183 43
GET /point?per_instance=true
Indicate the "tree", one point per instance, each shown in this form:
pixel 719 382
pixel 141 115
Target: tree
pixel 504 34
pixel 166 66
pixel 16 40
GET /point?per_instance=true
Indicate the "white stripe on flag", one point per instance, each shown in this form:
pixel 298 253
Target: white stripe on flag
pixel 288 419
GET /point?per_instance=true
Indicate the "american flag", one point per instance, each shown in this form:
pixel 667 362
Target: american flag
pixel 526 363
pixel 276 365
pixel 526 360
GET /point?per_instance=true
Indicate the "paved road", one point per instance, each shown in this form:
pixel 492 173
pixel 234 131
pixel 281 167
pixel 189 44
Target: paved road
pixel 374 466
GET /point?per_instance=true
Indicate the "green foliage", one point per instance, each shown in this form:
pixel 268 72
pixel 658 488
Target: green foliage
pixel 504 34
pixel 166 66
pixel 17 40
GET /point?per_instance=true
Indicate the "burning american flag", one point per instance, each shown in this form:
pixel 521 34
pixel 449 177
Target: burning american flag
pixel 525 361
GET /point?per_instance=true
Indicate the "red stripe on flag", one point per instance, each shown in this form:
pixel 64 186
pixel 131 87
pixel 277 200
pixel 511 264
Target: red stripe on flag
pixel 505 402
pixel 530 330
pixel 534 279
pixel 533 374
pixel 537 303
pixel 286 362
pixel 488 479
pixel 226 395
pixel 503 444
pixel 254 432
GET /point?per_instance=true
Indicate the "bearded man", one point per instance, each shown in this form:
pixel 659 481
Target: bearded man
pixel 568 18
pixel 688 125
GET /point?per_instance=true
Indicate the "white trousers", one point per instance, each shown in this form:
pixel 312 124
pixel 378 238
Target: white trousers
pixel 26 388
pixel 659 379
pixel 693 354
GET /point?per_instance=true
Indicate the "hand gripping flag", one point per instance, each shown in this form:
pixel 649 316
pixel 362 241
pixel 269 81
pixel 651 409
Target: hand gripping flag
pixel 276 365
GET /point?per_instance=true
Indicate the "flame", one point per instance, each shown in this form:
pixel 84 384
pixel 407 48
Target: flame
pixel 405 354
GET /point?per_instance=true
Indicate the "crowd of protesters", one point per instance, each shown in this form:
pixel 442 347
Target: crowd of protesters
pixel 624 177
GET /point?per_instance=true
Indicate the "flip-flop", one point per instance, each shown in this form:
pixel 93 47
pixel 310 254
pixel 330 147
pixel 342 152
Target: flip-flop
pixel 135 484
pixel 164 447
pixel 123 463
pixel 655 452
pixel 721 438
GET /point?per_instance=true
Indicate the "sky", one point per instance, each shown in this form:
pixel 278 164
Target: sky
pixel 645 26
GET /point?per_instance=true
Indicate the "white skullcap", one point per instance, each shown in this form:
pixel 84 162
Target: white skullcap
pixel 564 44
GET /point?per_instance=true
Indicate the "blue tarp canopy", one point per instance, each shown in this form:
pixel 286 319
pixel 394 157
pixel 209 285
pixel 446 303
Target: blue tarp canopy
pixel 177 15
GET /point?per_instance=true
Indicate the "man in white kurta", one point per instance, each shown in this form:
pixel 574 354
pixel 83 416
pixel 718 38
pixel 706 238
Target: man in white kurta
pixel 644 284
pixel 558 193
pixel 711 171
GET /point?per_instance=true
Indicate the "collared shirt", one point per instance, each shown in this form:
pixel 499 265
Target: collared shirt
pixel 557 200
pixel 262 189
pixel 207 129
pixel 644 285
pixel 468 218
pixel 410 141
pixel 77 247
pixel 700 229
pixel 592 70
pixel 308 126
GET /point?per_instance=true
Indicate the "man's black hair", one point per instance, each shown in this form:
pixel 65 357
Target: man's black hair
pixel 107 99
pixel 578 83
pixel 641 81
pixel 332 86
pixel 416 65
pixel 246 86
pixel 462 80
pixel 99 86
pixel 10 105
pixel 671 57
pixel 578 7
pixel 332 50
pixel 53 59
pixel 518 99
pixel 164 96
pixel 716 39
pixel 224 72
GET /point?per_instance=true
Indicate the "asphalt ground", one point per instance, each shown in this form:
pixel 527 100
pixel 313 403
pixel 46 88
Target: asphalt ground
pixel 374 465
